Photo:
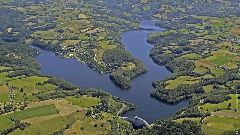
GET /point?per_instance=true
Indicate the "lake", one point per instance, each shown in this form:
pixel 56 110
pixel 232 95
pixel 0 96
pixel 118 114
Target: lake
pixel 80 74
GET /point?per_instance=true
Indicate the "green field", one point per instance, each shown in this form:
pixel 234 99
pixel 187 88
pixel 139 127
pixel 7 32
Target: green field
pixel 192 119
pixel 4 97
pixel 5 121
pixel 28 83
pixel 22 87
pixel 45 127
pixel 90 126
pixel 171 84
pixel 34 112
pixel 3 77
pixel 50 124
pixel 218 125
pixel 4 94
pixel 201 70
pixel 221 57
pixel 222 106
pixel 221 60
pixel 84 101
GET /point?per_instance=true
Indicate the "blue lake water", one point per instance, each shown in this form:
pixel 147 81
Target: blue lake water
pixel 80 74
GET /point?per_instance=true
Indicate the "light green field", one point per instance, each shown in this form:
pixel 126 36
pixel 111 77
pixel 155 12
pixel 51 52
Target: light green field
pixel 42 128
pixel 221 60
pixel 26 86
pixel 192 119
pixel 208 76
pixel 217 72
pixel 79 124
pixel 222 106
pixel 84 101
pixel 4 97
pixel 29 85
pixel 221 57
pixel 171 84
pixel 208 88
pixel 214 125
pixel 50 124
pixel 46 35
pixel 70 42
pixel 103 46
pixel 200 70
pixel 217 22
pixel 4 94
pixel 82 36
pixel 205 63
pixel 231 65
pixel 5 121
pixel 90 126
pixel 34 112
pixel 3 77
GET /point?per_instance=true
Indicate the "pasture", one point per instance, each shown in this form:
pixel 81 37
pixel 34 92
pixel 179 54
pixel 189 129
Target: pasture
pixel 84 101
pixel 5 121
pixel 215 125
pixel 231 105
pixel 171 84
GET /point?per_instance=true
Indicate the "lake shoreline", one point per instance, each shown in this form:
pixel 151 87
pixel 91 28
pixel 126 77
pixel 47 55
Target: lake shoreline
pixel 147 107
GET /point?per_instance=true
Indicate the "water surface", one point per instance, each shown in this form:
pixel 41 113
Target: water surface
pixel 80 74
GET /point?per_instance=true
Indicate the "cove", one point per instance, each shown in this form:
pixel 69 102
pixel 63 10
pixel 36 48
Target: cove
pixel 135 42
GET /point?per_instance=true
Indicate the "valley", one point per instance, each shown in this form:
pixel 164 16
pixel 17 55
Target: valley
pixel 86 67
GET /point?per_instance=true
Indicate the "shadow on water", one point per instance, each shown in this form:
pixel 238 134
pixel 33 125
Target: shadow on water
pixel 80 74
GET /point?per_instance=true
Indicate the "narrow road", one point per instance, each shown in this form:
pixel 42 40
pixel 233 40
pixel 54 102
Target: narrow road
pixel 122 109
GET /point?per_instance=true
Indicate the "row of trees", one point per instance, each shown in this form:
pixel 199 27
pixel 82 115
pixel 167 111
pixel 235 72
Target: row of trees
pixel 17 125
